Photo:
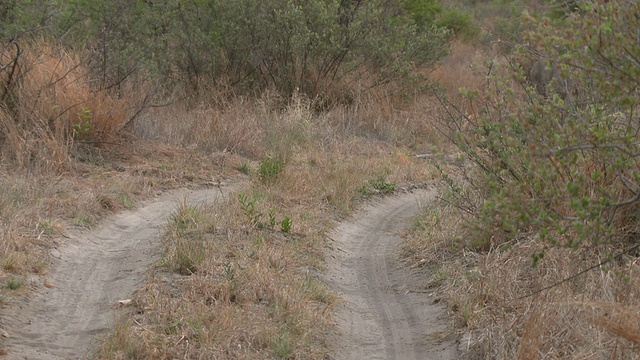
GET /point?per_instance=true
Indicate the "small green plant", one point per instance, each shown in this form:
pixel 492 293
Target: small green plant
pixel 382 185
pixel 317 290
pixel 47 227
pixel 458 23
pixel 281 346
pixel 126 201
pixel 14 284
pixel 252 215
pixel 286 225
pixel 84 128
pixel 230 275
pixel 272 218
pixel 365 190
pixel 188 253
pixel 84 221
pixel 270 169
pixel 246 168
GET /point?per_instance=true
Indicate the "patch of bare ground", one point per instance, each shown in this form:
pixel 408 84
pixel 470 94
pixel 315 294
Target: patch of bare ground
pixel 385 310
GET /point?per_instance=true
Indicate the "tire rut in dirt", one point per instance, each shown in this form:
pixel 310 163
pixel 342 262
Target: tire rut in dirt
pixel 92 271
pixel 379 318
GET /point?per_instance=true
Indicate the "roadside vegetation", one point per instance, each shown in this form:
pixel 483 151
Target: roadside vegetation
pixel 106 104
pixel 534 243
pixel 318 105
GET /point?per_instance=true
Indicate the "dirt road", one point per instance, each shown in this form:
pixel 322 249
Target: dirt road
pixel 385 312
pixel 92 271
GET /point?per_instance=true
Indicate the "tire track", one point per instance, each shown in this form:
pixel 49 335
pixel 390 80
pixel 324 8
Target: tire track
pixel 92 271
pixel 378 318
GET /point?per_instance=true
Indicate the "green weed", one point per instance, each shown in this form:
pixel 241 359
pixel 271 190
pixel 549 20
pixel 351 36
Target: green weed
pixel 382 185
pixel 286 224
pixel 270 168
pixel 14 283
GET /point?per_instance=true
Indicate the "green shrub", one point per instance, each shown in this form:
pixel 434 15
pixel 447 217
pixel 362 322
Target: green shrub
pixel 561 167
pixel 459 23
pixel 287 45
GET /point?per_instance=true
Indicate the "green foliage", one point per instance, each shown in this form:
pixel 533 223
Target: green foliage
pixel 423 12
pixel 84 220
pixel 458 23
pixel 186 248
pixel 246 168
pixel 14 284
pixel 562 167
pixel 251 214
pixel 272 218
pixel 281 345
pixel 382 185
pixel 254 217
pixel 187 254
pixel 185 218
pixel 286 225
pixel 22 17
pixel 270 168
pixel 311 47
pixel 84 128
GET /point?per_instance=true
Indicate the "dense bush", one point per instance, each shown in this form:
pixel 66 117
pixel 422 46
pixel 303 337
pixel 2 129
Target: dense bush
pixel 561 167
pixel 315 47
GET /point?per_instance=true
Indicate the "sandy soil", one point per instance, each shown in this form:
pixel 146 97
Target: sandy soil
pixel 385 312
pixel 92 271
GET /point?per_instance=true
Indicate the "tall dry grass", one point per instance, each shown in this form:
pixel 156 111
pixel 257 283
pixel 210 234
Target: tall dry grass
pixel 48 103
pixel 499 299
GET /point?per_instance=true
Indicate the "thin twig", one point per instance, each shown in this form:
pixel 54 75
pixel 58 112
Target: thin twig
pixel 603 262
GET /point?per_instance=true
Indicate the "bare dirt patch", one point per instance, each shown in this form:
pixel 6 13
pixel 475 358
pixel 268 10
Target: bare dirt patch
pixel 386 312
pixel 68 312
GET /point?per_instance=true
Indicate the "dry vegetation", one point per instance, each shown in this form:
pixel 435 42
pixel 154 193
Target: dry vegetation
pixel 576 303
pixel 508 309
pixel 243 286
pixel 64 163
pixel 234 281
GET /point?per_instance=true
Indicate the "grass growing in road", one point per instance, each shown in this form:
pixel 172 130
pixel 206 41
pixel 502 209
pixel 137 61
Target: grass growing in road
pixel 241 279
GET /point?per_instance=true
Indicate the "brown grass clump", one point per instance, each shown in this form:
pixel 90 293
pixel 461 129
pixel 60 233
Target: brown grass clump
pixel 48 104
pixel 497 297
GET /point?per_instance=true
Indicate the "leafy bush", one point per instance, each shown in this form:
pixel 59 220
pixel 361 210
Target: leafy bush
pixel 562 167
pixel 459 23
pixel 314 47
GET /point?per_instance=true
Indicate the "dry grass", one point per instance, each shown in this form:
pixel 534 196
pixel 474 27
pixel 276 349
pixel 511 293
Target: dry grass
pixel 38 209
pixel 227 287
pixel 231 286
pixel 50 180
pixel 48 104
pixel 460 69
pixel 493 296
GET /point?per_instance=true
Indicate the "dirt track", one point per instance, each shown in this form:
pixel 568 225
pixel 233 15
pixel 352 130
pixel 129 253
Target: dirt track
pixel 92 271
pixel 381 317
pixel 384 313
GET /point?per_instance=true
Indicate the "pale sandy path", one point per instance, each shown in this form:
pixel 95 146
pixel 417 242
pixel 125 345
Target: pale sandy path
pixel 385 312
pixel 92 271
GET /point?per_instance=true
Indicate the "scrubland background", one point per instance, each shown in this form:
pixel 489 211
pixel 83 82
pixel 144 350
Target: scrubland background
pixel 318 105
